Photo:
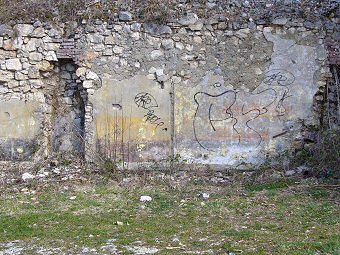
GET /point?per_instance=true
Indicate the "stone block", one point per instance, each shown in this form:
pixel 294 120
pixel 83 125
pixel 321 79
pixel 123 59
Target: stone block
pixel 35 56
pixel 136 27
pixel 156 29
pixel 23 29
pixel 13 44
pixel 38 32
pixel 33 73
pixel 125 16
pixel 196 27
pixel 51 56
pixel 168 44
pixel 88 84
pixel 12 84
pixel 45 66
pixel 108 52
pixel 6 76
pixel 81 71
pixel 7 54
pixel 32 44
pixel 92 76
pixel 118 49
pixel 20 76
pixel 13 64
pixel 110 40
pixel 189 19
pixel 280 21
pixel 5 30
pixel 36 83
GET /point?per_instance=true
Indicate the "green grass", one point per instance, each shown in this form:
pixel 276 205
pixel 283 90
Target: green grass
pixel 269 186
pixel 281 220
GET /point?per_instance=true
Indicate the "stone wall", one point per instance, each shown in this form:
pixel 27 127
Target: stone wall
pixel 27 60
pixel 134 92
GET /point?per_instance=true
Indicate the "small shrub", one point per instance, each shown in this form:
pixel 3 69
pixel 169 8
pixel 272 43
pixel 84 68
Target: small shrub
pixel 323 156
pixel 156 11
pixel 108 168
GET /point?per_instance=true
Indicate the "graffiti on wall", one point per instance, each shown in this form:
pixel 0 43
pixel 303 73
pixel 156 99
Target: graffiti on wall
pixel 147 102
pixel 240 111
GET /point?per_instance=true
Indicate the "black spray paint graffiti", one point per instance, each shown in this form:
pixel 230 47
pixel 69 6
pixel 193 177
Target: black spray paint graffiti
pixel 217 85
pixel 210 111
pixel 228 107
pixel 146 101
pixel 280 109
pixel 279 77
pixel 257 112
pixel 283 78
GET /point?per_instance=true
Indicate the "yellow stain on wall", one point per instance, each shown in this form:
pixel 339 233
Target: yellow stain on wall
pixel 135 128
pixel 18 120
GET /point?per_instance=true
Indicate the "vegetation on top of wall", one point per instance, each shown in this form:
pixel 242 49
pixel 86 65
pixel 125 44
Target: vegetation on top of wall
pixel 54 10
pixel 162 11
pixel 78 10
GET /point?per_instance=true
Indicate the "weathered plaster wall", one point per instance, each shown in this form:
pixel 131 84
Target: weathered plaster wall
pixel 19 128
pixel 132 119
pixel 137 92
pixel 225 124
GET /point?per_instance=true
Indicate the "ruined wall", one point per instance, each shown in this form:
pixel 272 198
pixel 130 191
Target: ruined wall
pixel 198 88
pixel 42 106
pixel 27 57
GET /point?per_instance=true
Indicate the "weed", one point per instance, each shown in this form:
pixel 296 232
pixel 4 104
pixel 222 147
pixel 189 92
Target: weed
pixel 67 162
pixel 272 193
pixel 319 193
pixel 156 11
